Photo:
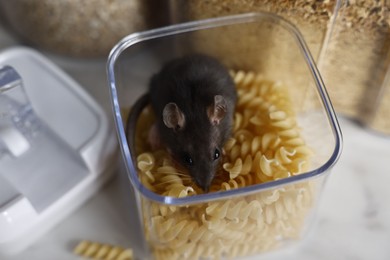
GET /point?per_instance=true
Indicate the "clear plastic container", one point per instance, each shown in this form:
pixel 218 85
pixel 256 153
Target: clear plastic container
pixel 237 222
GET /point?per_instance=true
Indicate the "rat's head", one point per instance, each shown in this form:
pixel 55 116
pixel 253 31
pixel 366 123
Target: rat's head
pixel 197 137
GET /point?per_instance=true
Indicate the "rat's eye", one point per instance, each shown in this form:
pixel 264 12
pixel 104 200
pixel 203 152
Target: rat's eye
pixel 217 153
pixel 187 158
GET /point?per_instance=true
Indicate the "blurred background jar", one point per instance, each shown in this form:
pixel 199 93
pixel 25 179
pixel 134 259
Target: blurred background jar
pixel 249 48
pixel 349 40
pixel 356 66
pixel 79 28
pixel 313 18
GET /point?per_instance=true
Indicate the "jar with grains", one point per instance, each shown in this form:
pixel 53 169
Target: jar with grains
pixel 349 40
pixel 77 28
pixel 313 18
pixel 356 64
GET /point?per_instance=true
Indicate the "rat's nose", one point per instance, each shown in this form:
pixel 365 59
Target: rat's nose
pixel 204 183
pixel 204 187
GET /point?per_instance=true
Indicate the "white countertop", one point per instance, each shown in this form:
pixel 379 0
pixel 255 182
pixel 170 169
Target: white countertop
pixel 354 213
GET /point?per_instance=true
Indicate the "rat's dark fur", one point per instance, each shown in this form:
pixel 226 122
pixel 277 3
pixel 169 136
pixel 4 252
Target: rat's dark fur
pixel 191 83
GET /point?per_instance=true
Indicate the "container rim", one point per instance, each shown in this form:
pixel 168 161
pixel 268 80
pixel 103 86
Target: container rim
pixel 208 24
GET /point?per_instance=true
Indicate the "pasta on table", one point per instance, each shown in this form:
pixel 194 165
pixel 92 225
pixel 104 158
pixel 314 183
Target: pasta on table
pixel 102 251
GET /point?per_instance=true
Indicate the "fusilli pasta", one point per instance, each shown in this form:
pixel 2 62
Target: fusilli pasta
pixel 101 251
pixel 266 145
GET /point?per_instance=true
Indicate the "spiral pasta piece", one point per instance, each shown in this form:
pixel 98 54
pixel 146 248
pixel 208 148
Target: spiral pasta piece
pixel 233 169
pixel 266 145
pixel 100 251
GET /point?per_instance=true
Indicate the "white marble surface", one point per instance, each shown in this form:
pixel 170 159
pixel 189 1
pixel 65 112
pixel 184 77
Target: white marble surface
pixel 354 213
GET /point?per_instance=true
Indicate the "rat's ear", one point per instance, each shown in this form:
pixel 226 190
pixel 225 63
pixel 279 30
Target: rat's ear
pixel 217 111
pixel 173 117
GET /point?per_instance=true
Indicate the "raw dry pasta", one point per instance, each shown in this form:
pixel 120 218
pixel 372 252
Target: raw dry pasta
pixel 94 250
pixel 266 145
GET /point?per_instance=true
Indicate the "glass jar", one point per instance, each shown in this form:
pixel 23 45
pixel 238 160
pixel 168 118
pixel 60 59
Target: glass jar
pixel 356 62
pixel 78 29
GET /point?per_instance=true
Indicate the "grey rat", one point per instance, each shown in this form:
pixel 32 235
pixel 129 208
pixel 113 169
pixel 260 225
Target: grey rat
pixel 194 99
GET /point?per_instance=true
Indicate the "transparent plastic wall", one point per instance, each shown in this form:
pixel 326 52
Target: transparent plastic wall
pixel 250 219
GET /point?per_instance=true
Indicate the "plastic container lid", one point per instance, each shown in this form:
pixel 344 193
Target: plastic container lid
pixel 65 160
